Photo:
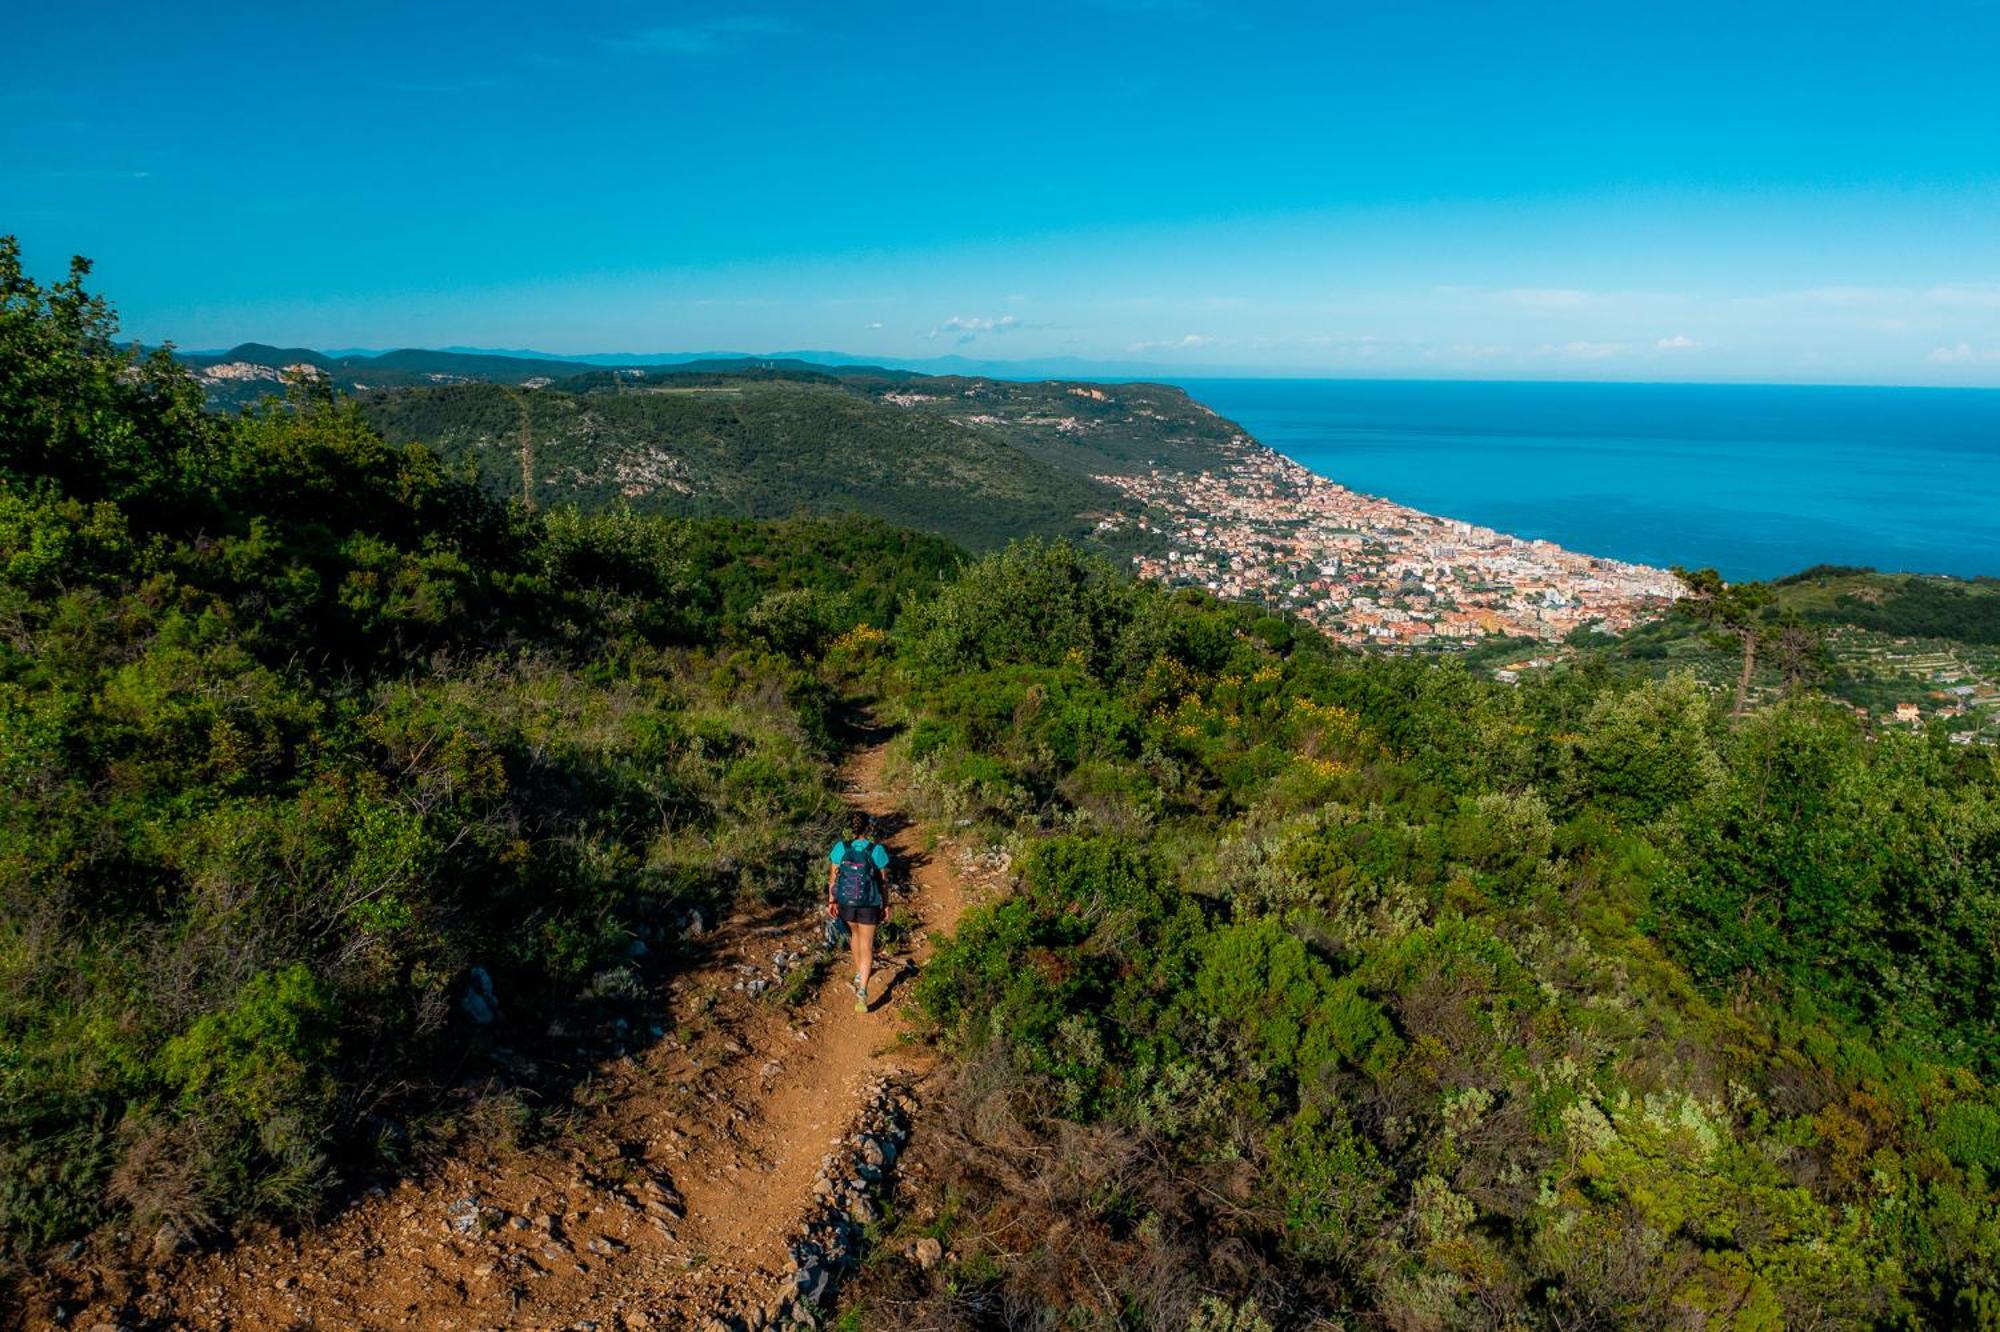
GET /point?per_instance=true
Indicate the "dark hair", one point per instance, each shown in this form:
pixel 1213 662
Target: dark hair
pixel 857 823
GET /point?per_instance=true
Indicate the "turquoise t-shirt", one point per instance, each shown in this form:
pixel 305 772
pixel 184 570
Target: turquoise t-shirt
pixel 881 856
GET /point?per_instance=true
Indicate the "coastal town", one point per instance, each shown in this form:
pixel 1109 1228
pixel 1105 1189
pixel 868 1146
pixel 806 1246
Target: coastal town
pixel 1365 570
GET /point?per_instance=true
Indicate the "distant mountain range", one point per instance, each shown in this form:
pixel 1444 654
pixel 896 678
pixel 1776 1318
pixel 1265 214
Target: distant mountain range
pixel 245 373
pixel 1045 367
pixel 492 364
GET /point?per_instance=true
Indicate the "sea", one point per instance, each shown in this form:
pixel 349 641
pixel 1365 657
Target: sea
pixel 1754 481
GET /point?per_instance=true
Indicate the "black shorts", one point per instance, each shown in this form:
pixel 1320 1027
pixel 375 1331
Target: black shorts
pixel 862 915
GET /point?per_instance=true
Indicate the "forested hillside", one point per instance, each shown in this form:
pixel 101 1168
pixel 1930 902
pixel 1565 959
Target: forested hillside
pixel 979 461
pixel 1967 610
pixel 1327 990
pixel 1351 988
pixel 316 763
pixel 1883 643
pixel 745 447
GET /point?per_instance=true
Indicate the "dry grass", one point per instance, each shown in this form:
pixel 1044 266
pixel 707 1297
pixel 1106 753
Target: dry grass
pixel 1051 1224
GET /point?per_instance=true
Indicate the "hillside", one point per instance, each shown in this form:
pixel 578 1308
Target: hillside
pixel 745 447
pixel 1089 429
pixel 338 803
pixel 411 366
pixel 1907 605
pixel 1355 984
pixel 976 460
pixel 1082 427
pixel 246 373
pixel 401 886
pixel 1900 648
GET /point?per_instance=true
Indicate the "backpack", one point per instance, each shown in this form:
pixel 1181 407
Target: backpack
pixel 856 881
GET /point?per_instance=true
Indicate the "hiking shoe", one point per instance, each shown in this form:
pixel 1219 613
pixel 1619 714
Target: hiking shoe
pixel 860 995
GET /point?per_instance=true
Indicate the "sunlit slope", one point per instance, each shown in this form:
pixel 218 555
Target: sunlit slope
pixel 746 447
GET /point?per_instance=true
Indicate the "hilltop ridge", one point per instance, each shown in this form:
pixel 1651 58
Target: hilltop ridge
pixel 250 370
pixel 454 359
pixel 974 459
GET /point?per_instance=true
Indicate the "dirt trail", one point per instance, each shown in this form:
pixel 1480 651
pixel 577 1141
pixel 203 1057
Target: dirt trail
pixel 807 1104
pixel 672 1198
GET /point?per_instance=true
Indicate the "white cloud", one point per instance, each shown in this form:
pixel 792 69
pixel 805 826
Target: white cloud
pixel 968 327
pixel 1964 353
pixel 1593 351
pixel 1678 342
pixel 875 323
pixel 1185 342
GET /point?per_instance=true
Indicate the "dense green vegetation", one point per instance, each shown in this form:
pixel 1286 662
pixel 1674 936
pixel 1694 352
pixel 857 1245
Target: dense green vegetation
pixel 1081 428
pixel 1908 605
pixel 745 447
pixel 978 461
pixel 1087 429
pixel 1353 984
pixel 1869 639
pixel 1333 989
pixel 307 749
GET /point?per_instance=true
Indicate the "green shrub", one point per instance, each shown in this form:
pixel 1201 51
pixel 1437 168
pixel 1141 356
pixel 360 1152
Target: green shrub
pixel 266 1054
pixel 296 728
pixel 1644 751
pixel 1336 1191
pixel 1969 1133
pixel 1286 1003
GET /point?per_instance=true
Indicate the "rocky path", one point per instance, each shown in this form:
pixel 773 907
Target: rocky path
pixel 702 1180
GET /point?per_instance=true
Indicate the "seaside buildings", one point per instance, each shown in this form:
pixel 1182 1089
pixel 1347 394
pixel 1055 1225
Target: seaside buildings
pixel 1367 570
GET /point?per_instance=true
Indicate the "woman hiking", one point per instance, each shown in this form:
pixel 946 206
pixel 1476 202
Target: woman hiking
pixel 857 892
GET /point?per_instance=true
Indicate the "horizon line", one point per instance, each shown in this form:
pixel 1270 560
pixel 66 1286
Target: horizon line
pixel 1152 372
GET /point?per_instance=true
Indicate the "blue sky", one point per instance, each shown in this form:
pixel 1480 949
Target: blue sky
pixel 1601 190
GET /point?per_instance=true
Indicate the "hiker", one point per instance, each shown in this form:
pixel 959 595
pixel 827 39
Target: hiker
pixel 857 892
